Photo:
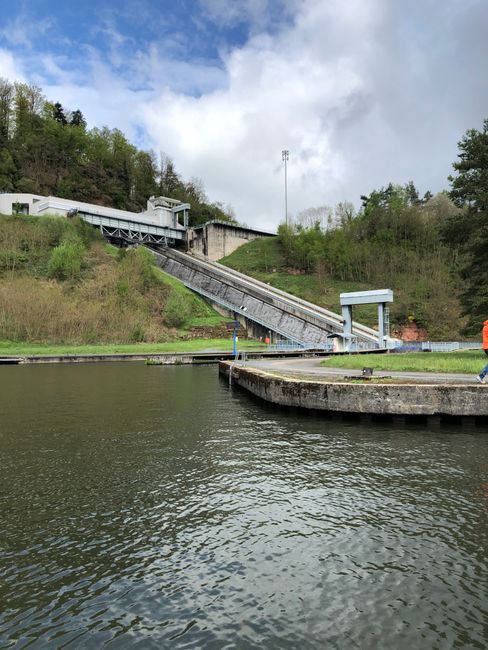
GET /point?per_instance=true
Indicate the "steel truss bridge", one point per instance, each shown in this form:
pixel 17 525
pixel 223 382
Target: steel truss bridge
pixel 133 232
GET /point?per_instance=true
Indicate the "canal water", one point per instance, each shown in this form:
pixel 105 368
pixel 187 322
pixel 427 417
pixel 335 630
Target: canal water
pixel 152 507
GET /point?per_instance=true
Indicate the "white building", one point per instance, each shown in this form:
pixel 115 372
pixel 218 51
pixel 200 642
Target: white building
pixel 160 211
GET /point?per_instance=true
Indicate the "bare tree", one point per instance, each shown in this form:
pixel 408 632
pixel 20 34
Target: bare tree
pixel 321 216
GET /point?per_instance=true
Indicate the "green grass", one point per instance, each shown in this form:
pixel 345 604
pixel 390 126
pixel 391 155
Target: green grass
pixel 468 361
pixel 207 321
pixel 263 259
pixel 261 256
pixel 9 348
pixel 112 250
pixel 199 312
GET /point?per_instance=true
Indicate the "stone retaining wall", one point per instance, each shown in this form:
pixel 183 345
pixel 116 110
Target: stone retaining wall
pixel 367 398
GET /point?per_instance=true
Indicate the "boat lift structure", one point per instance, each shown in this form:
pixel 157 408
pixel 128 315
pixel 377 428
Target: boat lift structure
pixel 380 297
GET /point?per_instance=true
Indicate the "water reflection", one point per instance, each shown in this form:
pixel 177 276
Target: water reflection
pixel 151 506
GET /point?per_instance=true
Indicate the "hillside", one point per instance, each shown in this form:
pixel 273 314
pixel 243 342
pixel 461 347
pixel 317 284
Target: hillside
pixel 318 265
pixel 61 283
pixel 264 259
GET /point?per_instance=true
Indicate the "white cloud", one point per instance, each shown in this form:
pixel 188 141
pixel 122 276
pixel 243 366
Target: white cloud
pixel 9 67
pixel 360 93
pixel 22 31
pixel 283 92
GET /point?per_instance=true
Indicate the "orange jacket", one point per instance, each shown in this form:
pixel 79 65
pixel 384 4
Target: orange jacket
pixel 485 335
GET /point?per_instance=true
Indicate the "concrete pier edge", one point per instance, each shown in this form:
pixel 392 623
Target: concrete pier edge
pixel 389 399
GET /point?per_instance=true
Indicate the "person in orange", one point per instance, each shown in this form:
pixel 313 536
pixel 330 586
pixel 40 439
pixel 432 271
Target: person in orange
pixel 484 372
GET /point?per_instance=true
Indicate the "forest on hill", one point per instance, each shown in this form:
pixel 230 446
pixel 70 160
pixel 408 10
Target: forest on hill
pixel 47 149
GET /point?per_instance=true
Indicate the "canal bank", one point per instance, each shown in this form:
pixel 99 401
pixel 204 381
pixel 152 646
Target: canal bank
pixel 151 358
pixel 169 358
pixel 334 391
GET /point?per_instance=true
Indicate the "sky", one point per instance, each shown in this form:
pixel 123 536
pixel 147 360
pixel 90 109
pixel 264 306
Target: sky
pixel 360 92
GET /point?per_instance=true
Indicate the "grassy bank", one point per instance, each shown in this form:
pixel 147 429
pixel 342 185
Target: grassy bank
pixel 8 348
pixel 60 283
pixel 264 260
pixel 424 292
pixel 467 361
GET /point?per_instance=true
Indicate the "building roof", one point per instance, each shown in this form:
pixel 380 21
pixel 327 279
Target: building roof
pixel 229 224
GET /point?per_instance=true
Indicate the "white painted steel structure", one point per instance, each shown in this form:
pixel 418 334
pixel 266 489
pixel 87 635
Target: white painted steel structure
pixel 380 297
pixel 158 224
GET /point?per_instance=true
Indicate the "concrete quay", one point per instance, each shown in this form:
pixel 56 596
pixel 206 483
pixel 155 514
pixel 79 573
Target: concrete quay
pixel 304 384
pixel 163 358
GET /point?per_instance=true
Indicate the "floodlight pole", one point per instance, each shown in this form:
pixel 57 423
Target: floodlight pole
pixel 285 155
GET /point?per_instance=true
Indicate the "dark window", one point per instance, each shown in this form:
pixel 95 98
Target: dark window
pixel 20 208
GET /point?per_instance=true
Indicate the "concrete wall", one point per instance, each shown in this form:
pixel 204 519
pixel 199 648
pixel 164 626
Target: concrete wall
pixel 27 203
pixel 216 240
pixel 376 399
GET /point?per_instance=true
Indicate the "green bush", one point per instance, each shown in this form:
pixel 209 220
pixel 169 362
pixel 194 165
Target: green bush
pixel 12 260
pixel 177 309
pixel 136 269
pixel 65 261
pixel 85 231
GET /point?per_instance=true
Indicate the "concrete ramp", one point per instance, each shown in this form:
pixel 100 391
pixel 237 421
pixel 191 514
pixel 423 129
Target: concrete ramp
pixel 275 310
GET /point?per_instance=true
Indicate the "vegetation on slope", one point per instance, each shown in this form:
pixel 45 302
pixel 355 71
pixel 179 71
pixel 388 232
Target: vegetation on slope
pixel 264 259
pixel 395 241
pixel 60 283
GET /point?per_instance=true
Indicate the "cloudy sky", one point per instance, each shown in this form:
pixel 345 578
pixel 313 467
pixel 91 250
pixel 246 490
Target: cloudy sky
pixel 361 92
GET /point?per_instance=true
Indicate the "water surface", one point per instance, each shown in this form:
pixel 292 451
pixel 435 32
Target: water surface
pixel 152 507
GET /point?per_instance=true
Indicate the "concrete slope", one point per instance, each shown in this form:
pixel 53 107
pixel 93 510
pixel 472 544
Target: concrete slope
pixel 276 310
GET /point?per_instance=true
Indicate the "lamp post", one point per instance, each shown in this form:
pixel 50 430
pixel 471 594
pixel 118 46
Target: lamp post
pixel 285 155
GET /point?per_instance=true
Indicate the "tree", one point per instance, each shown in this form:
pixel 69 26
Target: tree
pixel 470 186
pixel 77 119
pixel 8 171
pixel 412 193
pixel 59 115
pixel 6 99
pixel 470 191
pixel 170 183
pixel 321 215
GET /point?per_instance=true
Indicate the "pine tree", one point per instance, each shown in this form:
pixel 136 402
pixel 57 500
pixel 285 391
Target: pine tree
pixel 77 119
pixel 58 114
pixel 470 191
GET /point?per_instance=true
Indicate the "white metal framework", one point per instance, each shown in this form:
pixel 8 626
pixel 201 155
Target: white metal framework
pixel 380 297
pixel 132 231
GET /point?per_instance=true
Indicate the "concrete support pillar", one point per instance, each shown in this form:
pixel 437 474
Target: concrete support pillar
pixel 347 317
pixel 381 324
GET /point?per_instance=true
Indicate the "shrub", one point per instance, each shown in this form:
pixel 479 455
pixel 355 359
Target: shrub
pixel 86 232
pixel 136 269
pixel 177 309
pixel 65 261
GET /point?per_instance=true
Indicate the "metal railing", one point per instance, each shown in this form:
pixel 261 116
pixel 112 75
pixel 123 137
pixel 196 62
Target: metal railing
pixel 436 346
pixel 285 345
pixel 450 346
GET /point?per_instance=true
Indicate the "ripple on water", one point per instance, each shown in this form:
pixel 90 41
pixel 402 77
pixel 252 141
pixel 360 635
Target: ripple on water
pixel 175 512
